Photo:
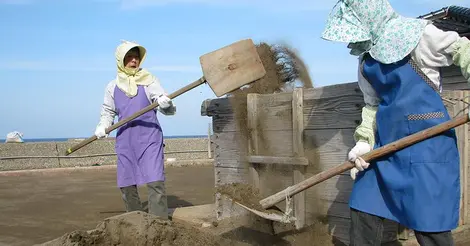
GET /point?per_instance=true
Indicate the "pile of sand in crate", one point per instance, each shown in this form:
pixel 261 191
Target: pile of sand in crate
pixel 139 228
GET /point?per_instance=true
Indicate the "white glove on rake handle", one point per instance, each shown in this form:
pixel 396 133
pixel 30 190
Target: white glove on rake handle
pixel 164 101
pixel 354 156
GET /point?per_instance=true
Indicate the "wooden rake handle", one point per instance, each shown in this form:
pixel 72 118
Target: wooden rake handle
pixel 87 141
pixel 384 150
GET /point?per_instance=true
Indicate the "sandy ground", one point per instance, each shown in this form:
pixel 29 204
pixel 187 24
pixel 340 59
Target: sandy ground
pixel 38 207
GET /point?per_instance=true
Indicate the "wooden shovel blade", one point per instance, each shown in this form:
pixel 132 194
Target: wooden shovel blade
pixel 232 67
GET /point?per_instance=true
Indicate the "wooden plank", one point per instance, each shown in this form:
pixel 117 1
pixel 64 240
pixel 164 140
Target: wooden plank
pixel 211 107
pixel 224 123
pixel 454 80
pixel 252 120
pixel 332 91
pixel 326 148
pixel 229 163
pixel 467 180
pixel 278 160
pixel 298 149
pixel 227 146
pixel 457 86
pixel 338 106
pixel 451 71
pixel 298 122
pixel 460 144
pixel 232 66
pixel 342 109
pixel 330 107
pixel 464 160
pixel 228 175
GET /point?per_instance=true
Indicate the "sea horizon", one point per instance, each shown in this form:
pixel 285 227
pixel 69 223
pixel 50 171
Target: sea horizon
pixel 31 140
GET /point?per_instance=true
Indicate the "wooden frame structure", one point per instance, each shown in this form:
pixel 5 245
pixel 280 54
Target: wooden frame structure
pixel 291 136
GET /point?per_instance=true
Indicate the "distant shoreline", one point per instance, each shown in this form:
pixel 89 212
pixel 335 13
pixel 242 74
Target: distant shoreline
pixel 36 140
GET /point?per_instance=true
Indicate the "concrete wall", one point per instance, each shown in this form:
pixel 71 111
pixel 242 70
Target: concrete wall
pixel 19 156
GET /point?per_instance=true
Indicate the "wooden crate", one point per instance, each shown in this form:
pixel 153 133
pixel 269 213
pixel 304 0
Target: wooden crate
pixel 295 135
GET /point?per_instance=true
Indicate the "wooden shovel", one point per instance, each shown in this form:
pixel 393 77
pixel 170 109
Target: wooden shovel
pixel 372 155
pixel 225 70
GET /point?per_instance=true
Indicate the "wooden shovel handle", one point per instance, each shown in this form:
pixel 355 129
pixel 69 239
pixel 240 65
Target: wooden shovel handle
pixel 372 155
pixel 85 142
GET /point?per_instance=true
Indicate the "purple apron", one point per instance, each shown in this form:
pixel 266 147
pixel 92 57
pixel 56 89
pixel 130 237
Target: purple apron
pixel 139 143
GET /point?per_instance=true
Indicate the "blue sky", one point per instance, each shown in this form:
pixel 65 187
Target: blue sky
pixel 58 56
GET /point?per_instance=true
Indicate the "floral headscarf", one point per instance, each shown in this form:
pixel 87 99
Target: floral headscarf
pixel 373 26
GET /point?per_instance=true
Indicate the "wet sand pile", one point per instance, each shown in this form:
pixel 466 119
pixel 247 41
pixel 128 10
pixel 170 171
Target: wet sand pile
pixel 242 193
pixel 246 195
pixel 139 228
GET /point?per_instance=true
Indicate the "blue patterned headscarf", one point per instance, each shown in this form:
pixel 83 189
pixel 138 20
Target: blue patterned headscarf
pixel 373 26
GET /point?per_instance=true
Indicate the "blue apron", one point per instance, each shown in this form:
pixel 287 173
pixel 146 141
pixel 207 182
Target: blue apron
pixel 419 186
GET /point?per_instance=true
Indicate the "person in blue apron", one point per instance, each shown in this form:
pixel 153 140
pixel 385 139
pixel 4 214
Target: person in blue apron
pixel 399 74
pixel 139 143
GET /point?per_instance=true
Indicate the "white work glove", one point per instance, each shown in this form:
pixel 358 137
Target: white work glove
pixel 100 131
pixel 354 156
pixel 164 101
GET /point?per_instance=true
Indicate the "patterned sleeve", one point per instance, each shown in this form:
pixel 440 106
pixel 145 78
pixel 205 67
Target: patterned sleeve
pixel 155 90
pixel 108 110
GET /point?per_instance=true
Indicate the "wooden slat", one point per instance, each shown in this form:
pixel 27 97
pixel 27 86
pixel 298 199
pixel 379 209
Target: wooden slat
pixel 326 148
pixel 253 141
pixel 227 175
pixel 333 107
pixel 468 184
pixel 454 80
pixel 298 149
pixel 339 110
pixel 224 123
pixel 451 71
pixel 457 86
pixel 227 146
pixel 278 160
pixel 460 145
pixel 211 107
pixel 464 160
pixel 229 163
pixel 332 91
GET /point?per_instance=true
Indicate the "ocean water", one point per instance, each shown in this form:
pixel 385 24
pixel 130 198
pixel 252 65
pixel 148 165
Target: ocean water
pixel 32 140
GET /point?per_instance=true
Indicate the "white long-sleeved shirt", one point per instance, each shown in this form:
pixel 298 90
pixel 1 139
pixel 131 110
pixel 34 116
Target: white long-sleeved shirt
pixel 434 50
pixel 108 109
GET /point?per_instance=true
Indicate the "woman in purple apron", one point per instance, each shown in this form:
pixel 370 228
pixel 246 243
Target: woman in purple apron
pixel 399 74
pixel 139 143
